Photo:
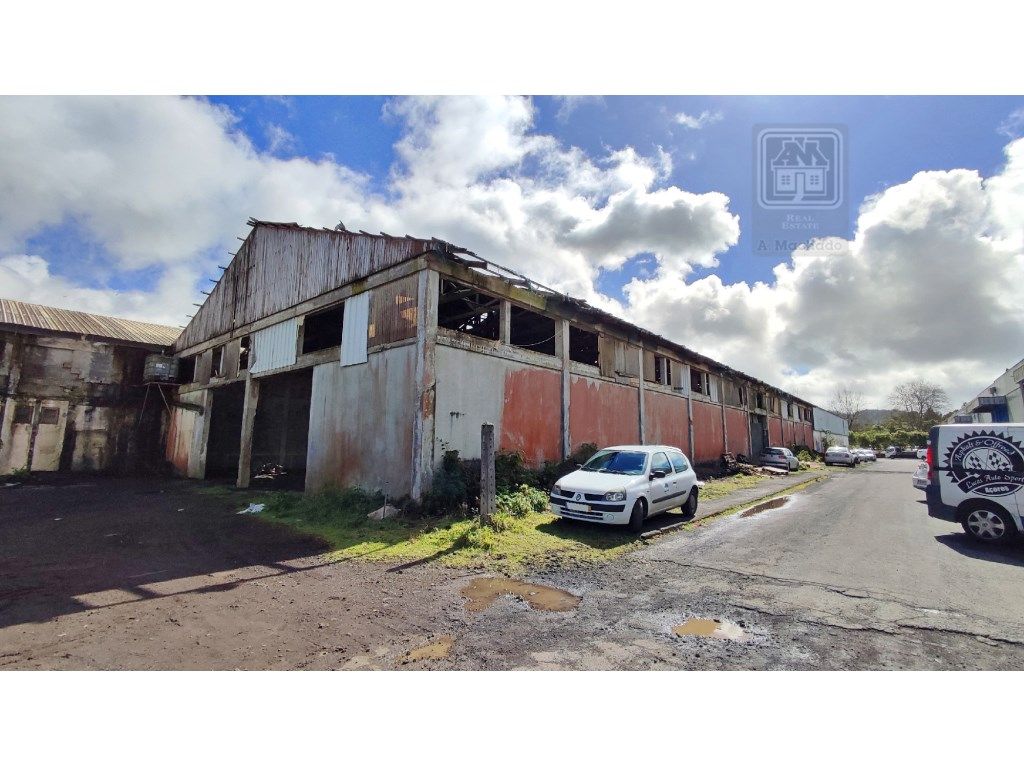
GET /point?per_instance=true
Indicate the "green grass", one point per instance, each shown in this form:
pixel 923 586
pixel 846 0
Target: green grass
pixel 531 537
pixel 723 486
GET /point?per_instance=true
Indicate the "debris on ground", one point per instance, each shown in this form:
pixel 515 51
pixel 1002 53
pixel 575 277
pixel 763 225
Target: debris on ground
pixel 384 513
pixel 269 471
pixel 252 509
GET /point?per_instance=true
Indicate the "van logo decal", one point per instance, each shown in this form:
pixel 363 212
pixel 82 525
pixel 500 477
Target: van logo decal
pixel 987 463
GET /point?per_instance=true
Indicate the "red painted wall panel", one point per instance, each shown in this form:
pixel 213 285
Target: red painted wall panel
pixel 737 424
pixel 665 420
pixel 603 413
pixel 709 442
pixel 531 422
pixel 775 430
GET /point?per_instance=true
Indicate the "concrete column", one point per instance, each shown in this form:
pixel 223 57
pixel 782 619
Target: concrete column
pixel 689 408
pixel 505 332
pixel 426 382
pixel 252 395
pixel 562 351
pixel 640 397
pixel 725 425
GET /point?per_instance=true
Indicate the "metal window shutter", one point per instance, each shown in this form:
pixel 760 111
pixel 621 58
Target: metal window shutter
pixel 274 347
pixel 353 332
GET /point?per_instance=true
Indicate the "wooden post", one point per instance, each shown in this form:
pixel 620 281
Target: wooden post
pixel 252 394
pixel 487 489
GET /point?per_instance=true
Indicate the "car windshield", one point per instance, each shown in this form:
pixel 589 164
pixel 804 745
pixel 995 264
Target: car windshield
pixel 617 462
pixel 836 450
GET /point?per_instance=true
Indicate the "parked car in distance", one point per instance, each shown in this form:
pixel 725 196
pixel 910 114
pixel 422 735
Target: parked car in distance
pixel 891 452
pixel 976 478
pixel 626 484
pixel 865 454
pixel 837 454
pixel 920 479
pixel 782 458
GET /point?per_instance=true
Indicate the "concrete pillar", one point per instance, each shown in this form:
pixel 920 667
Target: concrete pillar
pixel 426 382
pixel 689 409
pixel 252 395
pixel 562 351
pixel 505 318
pixel 640 397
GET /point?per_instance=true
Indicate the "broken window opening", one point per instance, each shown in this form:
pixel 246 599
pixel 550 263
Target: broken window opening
pixel 583 346
pixel 23 413
pixel 243 353
pixel 760 401
pixel 464 309
pixel 531 330
pixel 49 415
pixel 217 366
pixel 662 370
pixel 187 369
pixel 698 381
pixel 322 330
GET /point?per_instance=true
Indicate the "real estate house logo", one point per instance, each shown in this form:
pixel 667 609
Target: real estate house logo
pixel 800 168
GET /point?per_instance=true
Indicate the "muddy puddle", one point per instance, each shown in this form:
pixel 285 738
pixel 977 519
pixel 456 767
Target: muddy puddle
pixel 722 630
pixel 764 506
pixel 435 651
pixel 483 591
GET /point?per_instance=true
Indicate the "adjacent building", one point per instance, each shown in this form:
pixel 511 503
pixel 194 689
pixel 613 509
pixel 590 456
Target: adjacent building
pixel 350 358
pixel 71 390
pixel 829 430
pixel 1001 401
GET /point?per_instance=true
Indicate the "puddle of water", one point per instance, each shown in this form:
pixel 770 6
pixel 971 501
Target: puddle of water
pixel 435 651
pixel 483 591
pixel 723 630
pixel 765 505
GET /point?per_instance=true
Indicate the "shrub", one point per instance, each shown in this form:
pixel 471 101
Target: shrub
pixel 553 470
pixel 522 501
pixel 511 471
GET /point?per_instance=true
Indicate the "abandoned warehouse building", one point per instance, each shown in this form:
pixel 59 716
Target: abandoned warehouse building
pixel 356 359
pixel 72 391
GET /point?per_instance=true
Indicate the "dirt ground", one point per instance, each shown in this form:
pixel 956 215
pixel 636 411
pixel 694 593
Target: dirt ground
pixel 101 573
pixel 131 574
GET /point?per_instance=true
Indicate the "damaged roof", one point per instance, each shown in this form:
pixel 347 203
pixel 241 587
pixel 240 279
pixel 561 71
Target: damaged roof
pixel 37 317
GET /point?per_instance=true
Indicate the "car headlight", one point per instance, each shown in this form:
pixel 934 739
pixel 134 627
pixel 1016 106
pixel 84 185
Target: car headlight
pixel 615 496
pixel 556 490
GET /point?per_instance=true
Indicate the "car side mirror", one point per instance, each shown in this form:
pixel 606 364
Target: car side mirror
pixel 657 474
pixel 579 466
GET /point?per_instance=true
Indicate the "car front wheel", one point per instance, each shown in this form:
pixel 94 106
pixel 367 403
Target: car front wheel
pixel 988 524
pixel 690 509
pixel 636 518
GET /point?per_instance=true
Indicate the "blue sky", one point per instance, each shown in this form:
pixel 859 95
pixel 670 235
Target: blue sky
pixel 889 139
pixel 641 205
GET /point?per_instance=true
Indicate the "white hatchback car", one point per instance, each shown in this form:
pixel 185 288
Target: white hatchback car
pixel 626 484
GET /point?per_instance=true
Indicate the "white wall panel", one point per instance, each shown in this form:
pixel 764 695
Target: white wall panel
pixel 353 332
pixel 274 347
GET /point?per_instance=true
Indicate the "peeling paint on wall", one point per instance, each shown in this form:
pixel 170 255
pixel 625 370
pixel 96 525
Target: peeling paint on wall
pixel 530 423
pixel 775 430
pixel 707 432
pixel 737 424
pixel 665 420
pixel 602 412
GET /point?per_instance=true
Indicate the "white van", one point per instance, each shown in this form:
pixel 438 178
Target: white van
pixel 976 478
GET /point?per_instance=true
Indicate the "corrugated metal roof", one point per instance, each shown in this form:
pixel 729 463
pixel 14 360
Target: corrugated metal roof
pixel 36 316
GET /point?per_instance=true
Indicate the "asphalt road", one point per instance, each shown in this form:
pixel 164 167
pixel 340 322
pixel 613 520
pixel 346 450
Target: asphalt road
pixel 849 574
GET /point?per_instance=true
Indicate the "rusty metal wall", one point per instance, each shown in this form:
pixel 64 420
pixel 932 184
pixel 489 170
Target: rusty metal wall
pixel 280 266
pixel 737 424
pixel 185 447
pixel 361 423
pixel 602 412
pixel 666 421
pixel 709 441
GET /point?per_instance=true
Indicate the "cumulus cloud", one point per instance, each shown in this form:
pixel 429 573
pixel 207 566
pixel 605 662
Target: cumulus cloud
pixel 925 288
pixel 696 122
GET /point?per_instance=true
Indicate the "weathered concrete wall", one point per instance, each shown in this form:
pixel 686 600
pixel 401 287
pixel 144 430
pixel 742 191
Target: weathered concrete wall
pixel 69 403
pixel 522 401
pixel 737 423
pixel 361 423
pixel 602 412
pixel 708 437
pixel 665 420
pixel 186 435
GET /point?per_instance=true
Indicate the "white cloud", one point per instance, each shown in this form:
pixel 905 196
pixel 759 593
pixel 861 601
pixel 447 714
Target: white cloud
pixel 569 104
pixel 925 288
pixel 279 139
pixel 696 122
